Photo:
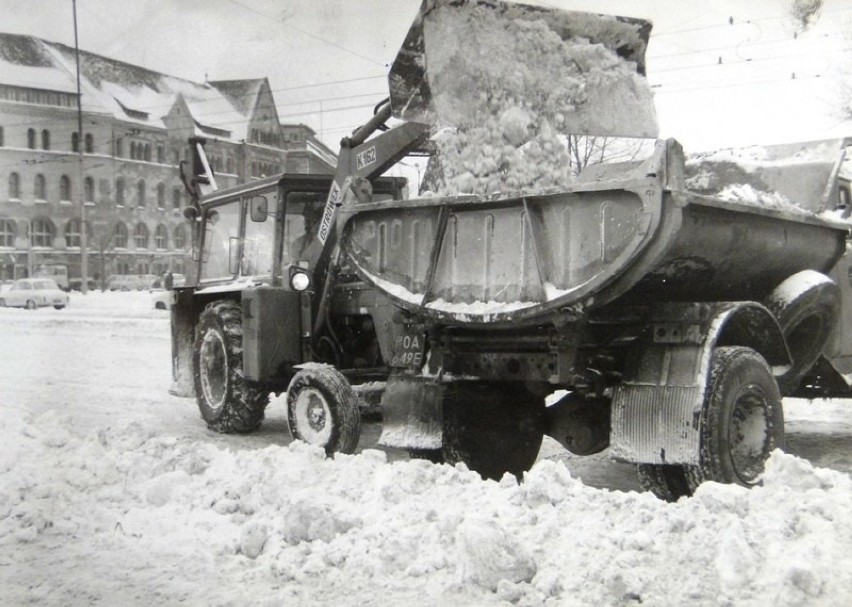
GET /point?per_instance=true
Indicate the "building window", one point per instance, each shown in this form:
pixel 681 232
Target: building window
pixel 119 148
pixel 7 233
pixel 64 188
pixel 42 232
pixel 176 198
pixel 2 138
pixel 75 142
pixel 133 150
pixel 140 236
pixel 14 186
pixel 90 144
pixel 72 233
pixel 140 193
pixel 161 154
pixel 40 187
pixel 180 237
pixel 161 195
pixel 89 189
pixel 31 139
pixel 45 139
pixel 161 237
pixel 229 165
pixel 119 191
pixel 120 235
pixel 147 152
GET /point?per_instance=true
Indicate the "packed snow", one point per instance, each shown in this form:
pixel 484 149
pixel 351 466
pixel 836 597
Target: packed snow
pixel 114 493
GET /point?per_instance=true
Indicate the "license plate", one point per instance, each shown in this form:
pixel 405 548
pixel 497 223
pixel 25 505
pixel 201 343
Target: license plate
pixel 408 350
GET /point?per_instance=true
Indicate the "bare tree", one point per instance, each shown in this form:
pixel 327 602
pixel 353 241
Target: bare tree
pixel 804 13
pixel 585 150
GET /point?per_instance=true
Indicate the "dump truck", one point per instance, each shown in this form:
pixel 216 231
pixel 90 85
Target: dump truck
pixel 659 307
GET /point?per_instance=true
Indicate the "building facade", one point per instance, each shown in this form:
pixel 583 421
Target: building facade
pixel 120 177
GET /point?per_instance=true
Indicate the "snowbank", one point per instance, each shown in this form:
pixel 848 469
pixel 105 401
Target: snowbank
pixel 114 493
pixel 184 521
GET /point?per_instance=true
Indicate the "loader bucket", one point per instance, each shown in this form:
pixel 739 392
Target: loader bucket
pixel 583 73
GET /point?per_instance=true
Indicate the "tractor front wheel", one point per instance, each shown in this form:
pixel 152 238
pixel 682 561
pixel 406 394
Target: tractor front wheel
pixel 323 410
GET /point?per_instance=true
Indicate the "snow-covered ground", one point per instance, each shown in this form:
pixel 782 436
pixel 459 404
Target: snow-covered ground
pixel 113 492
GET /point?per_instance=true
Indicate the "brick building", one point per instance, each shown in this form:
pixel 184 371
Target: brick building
pixel 136 123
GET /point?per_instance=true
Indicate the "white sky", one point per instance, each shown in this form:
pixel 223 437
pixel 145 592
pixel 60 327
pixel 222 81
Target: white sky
pixel 326 59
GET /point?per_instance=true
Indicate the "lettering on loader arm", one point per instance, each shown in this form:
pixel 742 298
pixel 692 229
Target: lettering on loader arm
pixel 328 214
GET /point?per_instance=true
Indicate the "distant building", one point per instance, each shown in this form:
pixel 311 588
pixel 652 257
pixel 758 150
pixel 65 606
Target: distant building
pixel 136 123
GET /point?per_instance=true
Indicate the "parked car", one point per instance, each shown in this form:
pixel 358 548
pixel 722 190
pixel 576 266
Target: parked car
pixel 75 284
pixel 130 282
pixel 164 298
pixel 32 293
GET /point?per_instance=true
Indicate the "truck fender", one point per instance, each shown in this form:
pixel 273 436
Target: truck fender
pixel 807 306
pixel 656 410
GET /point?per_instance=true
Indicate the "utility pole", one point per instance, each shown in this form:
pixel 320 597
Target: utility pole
pixel 84 258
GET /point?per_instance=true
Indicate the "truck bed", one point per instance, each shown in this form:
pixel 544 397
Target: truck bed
pixel 711 228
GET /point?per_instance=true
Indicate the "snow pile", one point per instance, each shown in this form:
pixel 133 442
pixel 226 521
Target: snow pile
pixel 156 517
pixel 513 86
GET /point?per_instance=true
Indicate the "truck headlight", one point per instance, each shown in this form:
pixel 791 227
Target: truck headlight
pixel 299 279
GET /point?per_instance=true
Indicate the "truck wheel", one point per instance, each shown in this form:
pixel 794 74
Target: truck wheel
pixel 31 305
pixel 667 482
pixel 807 307
pixel 742 421
pixel 323 410
pixel 227 401
pixel 436 456
pixel 493 428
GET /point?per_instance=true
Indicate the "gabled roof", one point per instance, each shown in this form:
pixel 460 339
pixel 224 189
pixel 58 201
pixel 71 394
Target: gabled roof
pixel 128 92
pixel 241 93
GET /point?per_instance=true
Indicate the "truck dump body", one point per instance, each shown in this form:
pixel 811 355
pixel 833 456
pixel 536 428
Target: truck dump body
pixel 628 229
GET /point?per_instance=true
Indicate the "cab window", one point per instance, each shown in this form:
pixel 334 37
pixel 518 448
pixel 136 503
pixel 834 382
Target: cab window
pixel 221 232
pixel 259 244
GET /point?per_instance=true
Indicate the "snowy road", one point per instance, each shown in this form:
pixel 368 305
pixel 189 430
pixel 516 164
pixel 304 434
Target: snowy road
pixel 114 492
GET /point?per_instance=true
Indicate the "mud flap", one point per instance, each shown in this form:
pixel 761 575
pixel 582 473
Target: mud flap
pixel 412 412
pixel 184 316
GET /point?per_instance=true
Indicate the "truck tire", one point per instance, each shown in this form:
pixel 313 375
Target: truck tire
pixel 228 402
pixel 667 482
pixel 323 410
pixel 742 420
pixel 492 427
pixel 807 307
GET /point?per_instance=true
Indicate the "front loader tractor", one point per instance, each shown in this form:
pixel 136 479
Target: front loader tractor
pixel 665 303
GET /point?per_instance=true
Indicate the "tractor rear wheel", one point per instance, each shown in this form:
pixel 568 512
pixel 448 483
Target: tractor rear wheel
pixel 323 410
pixel 227 401
pixel 492 427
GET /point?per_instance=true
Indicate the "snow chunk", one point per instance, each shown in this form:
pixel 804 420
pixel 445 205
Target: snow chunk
pixel 489 554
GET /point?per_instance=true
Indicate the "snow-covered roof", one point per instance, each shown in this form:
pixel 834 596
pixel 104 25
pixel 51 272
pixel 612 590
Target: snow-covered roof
pixel 128 92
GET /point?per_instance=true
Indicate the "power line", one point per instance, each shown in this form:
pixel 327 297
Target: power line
pixel 307 33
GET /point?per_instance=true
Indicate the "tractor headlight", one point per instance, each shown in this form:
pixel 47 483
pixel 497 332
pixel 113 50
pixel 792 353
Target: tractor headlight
pixel 299 279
